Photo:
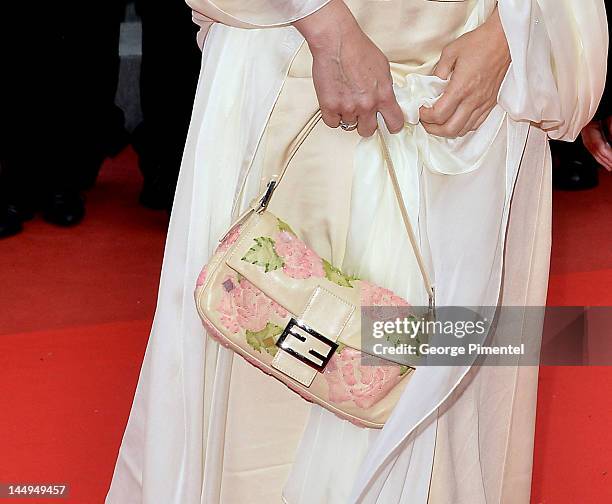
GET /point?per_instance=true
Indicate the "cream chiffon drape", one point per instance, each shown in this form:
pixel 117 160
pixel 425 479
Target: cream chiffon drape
pixel 205 427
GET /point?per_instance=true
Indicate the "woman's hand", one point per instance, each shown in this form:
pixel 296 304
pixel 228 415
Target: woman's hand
pixel 478 62
pixel 595 141
pixel 351 75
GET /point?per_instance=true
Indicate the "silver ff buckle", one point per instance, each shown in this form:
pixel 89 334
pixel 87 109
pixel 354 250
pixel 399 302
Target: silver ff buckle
pixel 306 345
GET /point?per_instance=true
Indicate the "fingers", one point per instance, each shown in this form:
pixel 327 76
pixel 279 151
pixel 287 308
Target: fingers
pixel 331 118
pixel 392 114
pixel 385 103
pixel 482 118
pixel 597 145
pixel 458 111
pixel 349 117
pixel 475 74
pixel 468 125
pixel 603 155
pixel 607 156
pixel 445 107
pixel 353 84
pixel 454 125
pixel 367 124
pixel 446 64
pixel 476 119
pixel 364 114
pixel 463 121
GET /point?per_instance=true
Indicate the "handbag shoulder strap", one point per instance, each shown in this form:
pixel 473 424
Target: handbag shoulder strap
pixel 292 151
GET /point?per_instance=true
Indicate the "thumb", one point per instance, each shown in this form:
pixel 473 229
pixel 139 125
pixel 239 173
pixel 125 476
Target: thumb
pixel 445 65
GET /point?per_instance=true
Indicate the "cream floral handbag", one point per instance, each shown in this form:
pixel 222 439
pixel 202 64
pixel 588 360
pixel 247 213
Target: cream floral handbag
pixel 271 299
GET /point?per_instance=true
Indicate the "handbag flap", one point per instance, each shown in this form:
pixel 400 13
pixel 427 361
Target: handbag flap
pixel 271 257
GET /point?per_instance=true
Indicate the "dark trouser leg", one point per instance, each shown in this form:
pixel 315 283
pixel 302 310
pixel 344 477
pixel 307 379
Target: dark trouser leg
pixel 81 63
pixel 59 76
pixel 170 68
pixel 17 105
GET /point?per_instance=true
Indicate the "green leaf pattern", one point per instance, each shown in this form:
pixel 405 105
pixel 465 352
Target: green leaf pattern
pixel 263 254
pixel 283 226
pixel 333 274
pixel 265 339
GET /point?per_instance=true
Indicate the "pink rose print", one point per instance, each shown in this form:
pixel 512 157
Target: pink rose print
pixel 373 295
pixel 349 380
pixel 202 276
pixel 243 306
pixel 299 260
pixel 389 305
pixel 229 240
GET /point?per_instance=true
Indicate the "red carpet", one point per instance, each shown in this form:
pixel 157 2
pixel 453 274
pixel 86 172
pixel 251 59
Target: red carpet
pixel 76 310
pixel 65 400
pixel 573 453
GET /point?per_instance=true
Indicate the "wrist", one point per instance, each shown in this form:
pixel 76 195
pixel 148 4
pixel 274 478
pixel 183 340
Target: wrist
pixel 497 34
pixel 325 27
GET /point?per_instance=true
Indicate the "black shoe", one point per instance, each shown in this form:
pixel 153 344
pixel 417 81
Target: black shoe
pixel 10 221
pixel 64 208
pixel 575 175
